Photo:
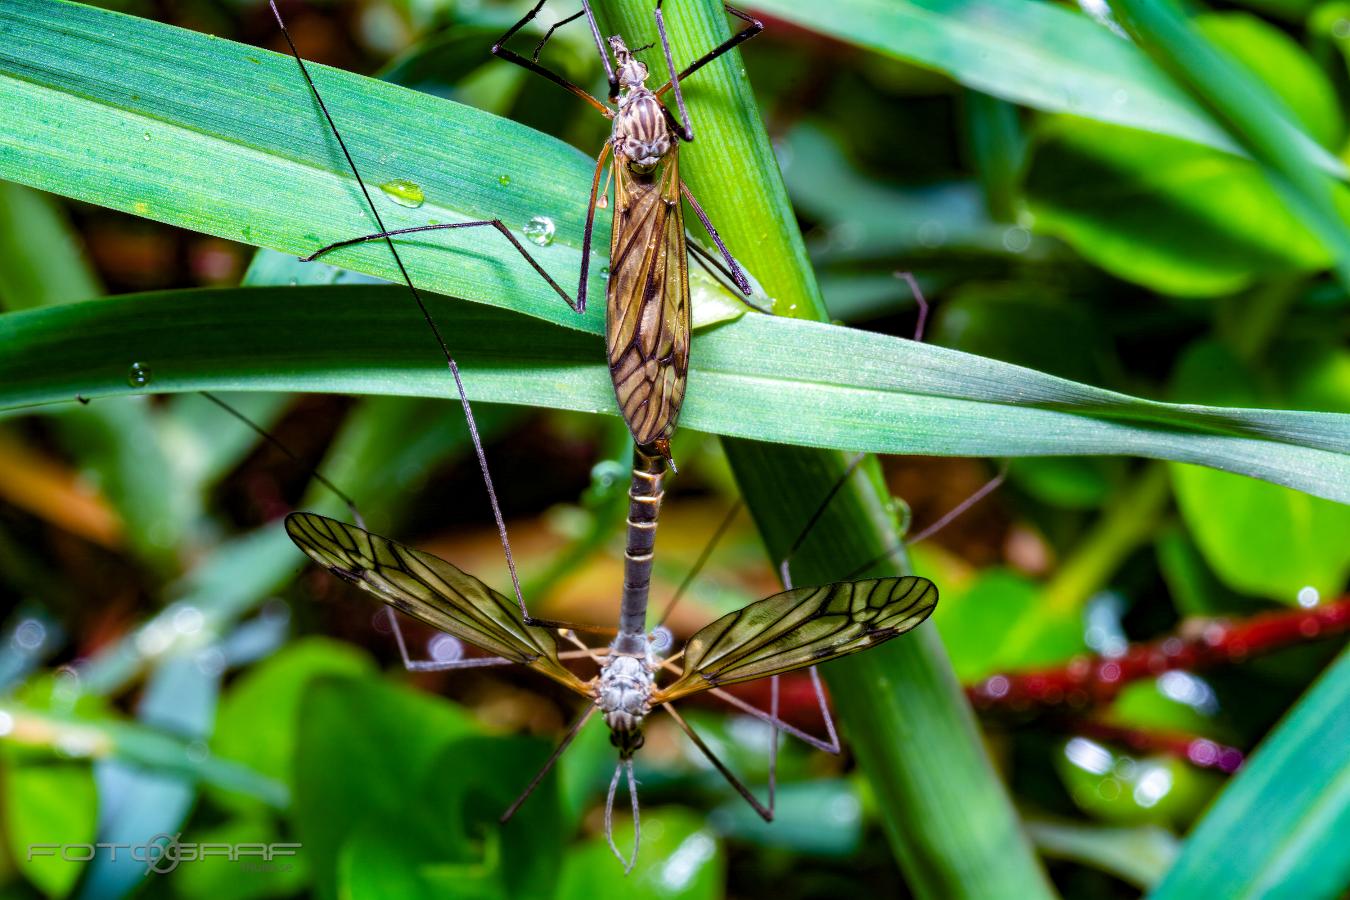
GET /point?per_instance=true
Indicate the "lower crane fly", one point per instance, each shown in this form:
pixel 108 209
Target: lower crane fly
pixel 790 630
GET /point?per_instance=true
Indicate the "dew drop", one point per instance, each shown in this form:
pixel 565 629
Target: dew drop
pixel 404 192
pixel 503 180
pixel 138 375
pixel 608 472
pixel 146 135
pixel 540 230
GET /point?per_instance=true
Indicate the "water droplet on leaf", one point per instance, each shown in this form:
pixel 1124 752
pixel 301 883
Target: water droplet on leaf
pixel 404 192
pixel 138 375
pixel 540 230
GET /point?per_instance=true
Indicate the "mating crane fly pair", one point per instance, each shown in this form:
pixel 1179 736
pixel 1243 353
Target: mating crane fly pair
pixel 647 339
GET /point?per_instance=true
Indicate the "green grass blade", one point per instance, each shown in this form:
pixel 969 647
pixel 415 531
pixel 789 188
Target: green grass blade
pixel 224 138
pixel 1279 828
pixel 1260 121
pixel 760 377
pixel 951 826
pixel 1034 54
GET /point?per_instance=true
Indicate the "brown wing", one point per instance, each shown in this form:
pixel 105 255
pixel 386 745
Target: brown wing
pixel 429 589
pixel 799 628
pixel 647 316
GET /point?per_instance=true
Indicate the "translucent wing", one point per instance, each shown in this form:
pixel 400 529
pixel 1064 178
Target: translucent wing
pixel 647 317
pixel 431 590
pixel 799 628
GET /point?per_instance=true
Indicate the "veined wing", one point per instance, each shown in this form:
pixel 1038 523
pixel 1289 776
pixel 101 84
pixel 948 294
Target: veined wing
pixel 799 628
pixel 647 316
pixel 429 589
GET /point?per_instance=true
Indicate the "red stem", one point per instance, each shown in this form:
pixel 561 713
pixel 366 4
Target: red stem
pixel 1091 680
pixel 1088 680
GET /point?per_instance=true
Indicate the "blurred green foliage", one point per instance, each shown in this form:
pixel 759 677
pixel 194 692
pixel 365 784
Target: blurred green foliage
pixel 1144 202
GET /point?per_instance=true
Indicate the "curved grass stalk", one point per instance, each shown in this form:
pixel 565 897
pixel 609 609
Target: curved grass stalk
pixel 947 814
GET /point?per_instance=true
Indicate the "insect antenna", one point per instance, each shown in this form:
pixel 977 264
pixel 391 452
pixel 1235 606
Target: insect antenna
pixel 622 766
pixel 548 766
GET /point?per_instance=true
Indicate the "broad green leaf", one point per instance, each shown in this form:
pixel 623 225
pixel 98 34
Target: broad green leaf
pixel 761 377
pixel 225 138
pixel 1034 54
pixel 681 859
pixel 47 801
pixel 1259 538
pixel 1254 114
pixel 1175 217
pixel 1274 57
pixel 245 878
pixel 57 274
pixel 258 717
pixel 364 750
pixel 467 852
pixel 1279 826
pixel 1129 790
pixel 998 624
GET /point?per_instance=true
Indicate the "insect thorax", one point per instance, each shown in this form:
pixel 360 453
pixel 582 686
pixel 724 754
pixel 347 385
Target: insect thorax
pixel 623 694
pixel 641 135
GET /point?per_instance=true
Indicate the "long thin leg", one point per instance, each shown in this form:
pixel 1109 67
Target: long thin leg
pixel 412 665
pixel 740 37
pixel 713 266
pixel 590 228
pixel 784 568
pixel 702 560
pixel 268 436
pixel 534 782
pixel 765 812
pixel 682 125
pixel 480 223
pixel 426 315
pixel 473 662
pixel 603 51
pixel 736 274
pixel 946 519
pixel 829 746
pixel 908 278
pixel 548 35
pixel 500 51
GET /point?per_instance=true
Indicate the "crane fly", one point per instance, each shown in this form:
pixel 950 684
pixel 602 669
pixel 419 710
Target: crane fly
pixel 787 631
pixel 647 313
pixel 647 310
